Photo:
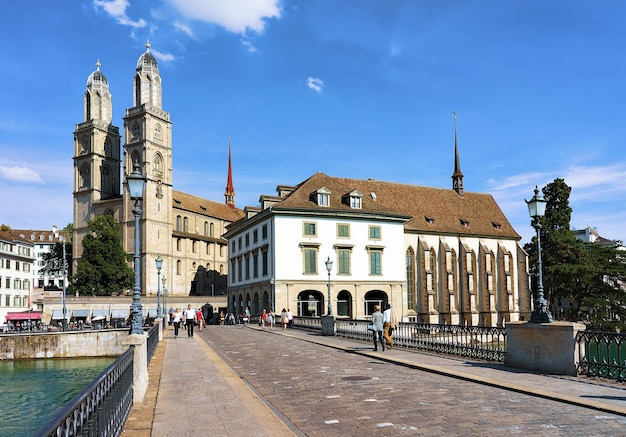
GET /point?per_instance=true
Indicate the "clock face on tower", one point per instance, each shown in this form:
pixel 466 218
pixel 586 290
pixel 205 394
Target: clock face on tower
pixel 136 131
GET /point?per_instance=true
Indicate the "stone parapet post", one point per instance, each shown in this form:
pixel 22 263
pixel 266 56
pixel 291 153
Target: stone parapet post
pixel 550 348
pixel 328 325
pixel 140 365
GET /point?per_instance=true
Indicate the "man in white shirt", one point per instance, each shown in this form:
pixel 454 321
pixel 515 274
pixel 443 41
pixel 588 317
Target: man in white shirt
pixel 390 322
pixel 190 319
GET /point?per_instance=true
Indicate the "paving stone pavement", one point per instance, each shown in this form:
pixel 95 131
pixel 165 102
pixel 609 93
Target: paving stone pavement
pixel 332 391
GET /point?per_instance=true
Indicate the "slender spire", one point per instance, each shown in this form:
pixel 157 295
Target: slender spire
pixel 457 176
pixel 229 193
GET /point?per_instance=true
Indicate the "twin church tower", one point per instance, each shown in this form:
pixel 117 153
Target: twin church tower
pixel 185 230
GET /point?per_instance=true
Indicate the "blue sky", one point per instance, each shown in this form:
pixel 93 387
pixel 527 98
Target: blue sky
pixel 361 89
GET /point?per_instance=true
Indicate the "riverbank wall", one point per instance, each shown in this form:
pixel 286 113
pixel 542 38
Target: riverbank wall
pixel 97 343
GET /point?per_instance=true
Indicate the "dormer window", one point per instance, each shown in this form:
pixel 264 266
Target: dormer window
pixel 464 223
pixel 497 226
pixel 322 197
pixel 353 199
pixel 429 220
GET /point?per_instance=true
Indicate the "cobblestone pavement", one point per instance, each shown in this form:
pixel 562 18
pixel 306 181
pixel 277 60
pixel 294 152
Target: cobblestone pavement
pixel 330 392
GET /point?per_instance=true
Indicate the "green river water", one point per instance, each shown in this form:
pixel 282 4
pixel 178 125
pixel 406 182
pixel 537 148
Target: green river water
pixel 31 391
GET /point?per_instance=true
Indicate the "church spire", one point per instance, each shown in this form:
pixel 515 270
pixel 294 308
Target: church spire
pixel 229 193
pixel 457 176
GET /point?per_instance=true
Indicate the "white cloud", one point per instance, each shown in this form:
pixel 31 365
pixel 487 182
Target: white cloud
pixel 117 9
pixel 165 57
pixel 20 174
pixel 315 84
pixel 184 28
pixel 237 16
pixel 248 45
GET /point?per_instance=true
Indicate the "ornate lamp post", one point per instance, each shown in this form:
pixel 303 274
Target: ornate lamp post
pixel 62 238
pixel 537 209
pixel 136 184
pixel 159 264
pixel 329 266
pixel 164 295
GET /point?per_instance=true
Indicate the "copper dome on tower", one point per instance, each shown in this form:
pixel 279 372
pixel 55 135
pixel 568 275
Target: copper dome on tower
pixel 97 76
pixel 147 59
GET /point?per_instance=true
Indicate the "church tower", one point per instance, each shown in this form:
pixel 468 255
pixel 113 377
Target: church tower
pixel 229 192
pixel 148 141
pixel 96 159
pixel 457 176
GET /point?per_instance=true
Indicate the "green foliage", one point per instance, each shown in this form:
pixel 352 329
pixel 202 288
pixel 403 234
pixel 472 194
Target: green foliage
pixel 590 275
pixel 102 269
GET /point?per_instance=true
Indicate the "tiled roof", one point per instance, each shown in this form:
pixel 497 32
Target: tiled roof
pixel 433 210
pixel 199 205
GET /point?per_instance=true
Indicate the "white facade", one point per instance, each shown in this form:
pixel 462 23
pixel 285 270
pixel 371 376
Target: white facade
pixel 16 273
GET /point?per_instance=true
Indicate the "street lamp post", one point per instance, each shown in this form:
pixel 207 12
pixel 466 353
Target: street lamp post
pixel 329 266
pixel 537 209
pixel 164 295
pixel 136 183
pixel 62 238
pixel 159 264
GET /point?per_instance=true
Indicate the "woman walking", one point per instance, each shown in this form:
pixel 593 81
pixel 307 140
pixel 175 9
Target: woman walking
pixel 377 322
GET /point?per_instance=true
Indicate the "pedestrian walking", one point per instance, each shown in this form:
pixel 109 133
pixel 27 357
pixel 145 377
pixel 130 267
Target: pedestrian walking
pixel 270 319
pixel 190 320
pixel 289 318
pixel 283 319
pixel 200 319
pixel 377 327
pixel 170 316
pixel 390 322
pixel 177 318
pixel 263 319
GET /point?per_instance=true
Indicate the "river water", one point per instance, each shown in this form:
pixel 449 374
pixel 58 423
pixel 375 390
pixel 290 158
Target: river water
pixel 31 391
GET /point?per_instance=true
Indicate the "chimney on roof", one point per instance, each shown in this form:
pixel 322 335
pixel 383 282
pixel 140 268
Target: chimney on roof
pixel 457 176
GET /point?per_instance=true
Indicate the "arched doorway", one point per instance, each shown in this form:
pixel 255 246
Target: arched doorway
pixel 372 298
pixel 310 303
pixel 344 304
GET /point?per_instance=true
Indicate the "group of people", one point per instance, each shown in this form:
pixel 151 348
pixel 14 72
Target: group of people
pixel 268 318
pixel 383 325
pixel 189 318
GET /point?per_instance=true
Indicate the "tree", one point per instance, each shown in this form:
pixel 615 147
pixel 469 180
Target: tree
pixel 589 275
pixel 103 269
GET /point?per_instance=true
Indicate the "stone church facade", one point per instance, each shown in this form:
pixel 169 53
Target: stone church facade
pixel 185 230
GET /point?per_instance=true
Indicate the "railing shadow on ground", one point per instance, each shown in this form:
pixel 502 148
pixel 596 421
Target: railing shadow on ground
pixel 101 408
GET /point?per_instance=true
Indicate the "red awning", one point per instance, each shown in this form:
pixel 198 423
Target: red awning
pixel 28 315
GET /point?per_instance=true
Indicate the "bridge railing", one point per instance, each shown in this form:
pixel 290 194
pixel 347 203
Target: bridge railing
pixel 602 354
pixel 101 408
pixel 476 342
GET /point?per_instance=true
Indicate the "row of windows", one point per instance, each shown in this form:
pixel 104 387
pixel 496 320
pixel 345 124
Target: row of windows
pixel 255 238
pixel 248 265
pixel 209 268
pixel 194 246
pixel 309 229
pixel 13 301
pixel 18 284
pixel 182 225
pixel 343 260
pixel 6 264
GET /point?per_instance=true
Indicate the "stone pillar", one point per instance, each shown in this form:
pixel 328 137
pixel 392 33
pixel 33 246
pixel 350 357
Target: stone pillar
pixel 160 322
pixel 140 364
pixel 328 325
pixel 547 347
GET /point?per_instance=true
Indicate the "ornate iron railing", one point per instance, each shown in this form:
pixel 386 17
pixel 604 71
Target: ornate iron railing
pixel 602 354
pixel 101 408
pixel 475 342
pixel 153 341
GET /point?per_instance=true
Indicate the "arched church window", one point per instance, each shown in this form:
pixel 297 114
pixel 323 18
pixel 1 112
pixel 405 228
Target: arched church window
pixel 84 176
pixel 106 179
pixel 108 147
pixel 157 132
pixel 158 164
pixel 84 144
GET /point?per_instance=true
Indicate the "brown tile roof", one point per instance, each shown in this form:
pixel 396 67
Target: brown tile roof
pixel 209 208
pixel 433 210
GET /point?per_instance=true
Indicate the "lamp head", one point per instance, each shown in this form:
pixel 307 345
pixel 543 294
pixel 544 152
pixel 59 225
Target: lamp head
pixel 329 264
pixel 536 205
pixel 136 182
pixel 159 262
